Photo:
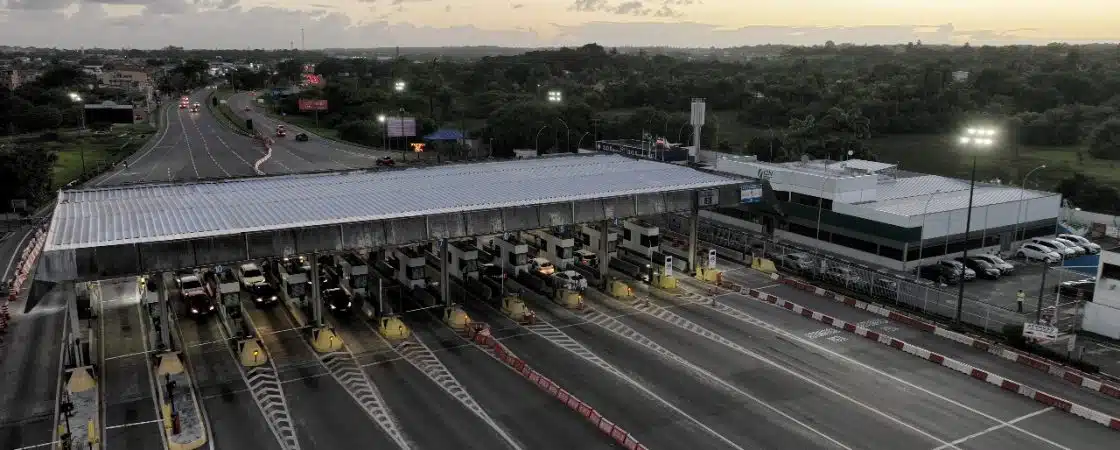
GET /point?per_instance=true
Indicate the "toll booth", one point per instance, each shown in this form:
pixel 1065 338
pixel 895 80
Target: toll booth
pixel 224 287
pixel 355 274
pixel 408 264
pixel 556 245
pixel 679 255
pixel 293 277
pixel 641 238
pixel 510 253
pixel 463 260
pixel 589 239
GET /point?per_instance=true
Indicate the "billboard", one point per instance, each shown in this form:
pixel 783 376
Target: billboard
pixel 310 104
pixel 750 193
pixel 310 79
pixel 400 127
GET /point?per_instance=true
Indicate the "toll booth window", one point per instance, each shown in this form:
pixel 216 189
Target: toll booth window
pixel 563 252
pixel 518 259
pixel 650 241
pixel 252 273
pixel 416 273
pixel 585 239
pixel 626 234
pixel 468 265
pixel 359 281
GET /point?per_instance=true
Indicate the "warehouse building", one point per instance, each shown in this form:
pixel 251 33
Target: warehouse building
pixel 879 214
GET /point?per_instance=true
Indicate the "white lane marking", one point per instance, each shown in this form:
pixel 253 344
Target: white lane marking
pixel 45 444
pixel 994 428
pixel 783 332
pixel 17 252
pixel 163 134
pixel 132 424
pixel 187 140
pixel 231 150
pixel 206 146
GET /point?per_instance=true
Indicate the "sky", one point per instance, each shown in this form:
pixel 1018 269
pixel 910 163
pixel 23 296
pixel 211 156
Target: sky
pixel 536 23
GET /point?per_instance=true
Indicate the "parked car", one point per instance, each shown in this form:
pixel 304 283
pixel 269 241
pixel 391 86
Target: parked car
pixel 1082 289
pixel 386 162
pixel 797 262
pixel 939 273
pixel 1005 268
pixel 983 268
pixel 1089 246
pixel 1036 252
pixel 844 276
pixel 968 274
pixel 1056 247
pixel 199 305
pixel 1070 244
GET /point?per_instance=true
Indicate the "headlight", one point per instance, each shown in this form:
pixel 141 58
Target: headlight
pixel 348 304
pixel 211 307
pixel 332 306
pixel 194 310
pixel 259 299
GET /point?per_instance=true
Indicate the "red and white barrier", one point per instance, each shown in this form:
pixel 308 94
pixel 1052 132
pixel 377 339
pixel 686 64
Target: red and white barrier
pixel 982 375
pixel 480 333
pixel 267 143
pixel 1069 374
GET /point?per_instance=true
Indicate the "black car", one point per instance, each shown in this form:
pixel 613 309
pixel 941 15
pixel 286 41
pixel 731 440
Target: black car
pixel 1080 289
pixel 940 273
pixel 199 305
pixel 301 137
pixel 983 268
pixel 337 300
pixel 263 294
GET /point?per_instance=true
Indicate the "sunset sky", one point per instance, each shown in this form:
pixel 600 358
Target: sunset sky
pixel 369 23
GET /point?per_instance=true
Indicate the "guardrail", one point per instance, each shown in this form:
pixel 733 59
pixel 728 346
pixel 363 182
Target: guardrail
pixel 27 261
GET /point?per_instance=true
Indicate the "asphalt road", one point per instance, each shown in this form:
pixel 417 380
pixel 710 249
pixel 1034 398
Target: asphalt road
pixel 945 404
pixel 316 154
pixel 130 411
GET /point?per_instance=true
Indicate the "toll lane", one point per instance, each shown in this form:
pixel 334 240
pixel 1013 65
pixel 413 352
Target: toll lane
pixel 319 405
pixel 647 418
pixel 234 418
pixel 129 408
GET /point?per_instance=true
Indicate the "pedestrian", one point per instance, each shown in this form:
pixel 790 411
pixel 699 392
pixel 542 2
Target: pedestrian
pixel 1019 300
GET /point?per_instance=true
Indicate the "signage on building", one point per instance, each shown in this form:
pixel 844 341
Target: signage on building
pixel 708 197
pixel 668 266
pixel 1039 331
pixel 750 193
pixel 308 104
pixel 418 147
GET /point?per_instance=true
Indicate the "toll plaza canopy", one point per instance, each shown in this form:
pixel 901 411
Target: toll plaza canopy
pixel 117 231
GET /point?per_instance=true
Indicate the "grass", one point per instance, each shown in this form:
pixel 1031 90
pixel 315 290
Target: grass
pixel 100 152
pixel 225 113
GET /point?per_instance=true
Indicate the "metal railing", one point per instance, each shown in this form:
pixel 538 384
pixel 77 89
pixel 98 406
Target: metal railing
pixel 881 285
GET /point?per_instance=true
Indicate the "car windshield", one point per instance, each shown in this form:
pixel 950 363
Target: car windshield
pixel 191 284
pixel 252 273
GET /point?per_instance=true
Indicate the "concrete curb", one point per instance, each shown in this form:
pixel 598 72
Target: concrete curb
pixel 481 336
pixel 941 360
pixel 1066 373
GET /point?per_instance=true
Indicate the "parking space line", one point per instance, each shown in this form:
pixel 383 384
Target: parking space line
pixel 994 428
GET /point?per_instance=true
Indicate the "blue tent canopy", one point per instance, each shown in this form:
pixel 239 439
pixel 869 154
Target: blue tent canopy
pixel 445 134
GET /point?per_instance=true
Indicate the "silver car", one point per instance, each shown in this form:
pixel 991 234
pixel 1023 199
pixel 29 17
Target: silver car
pixel 1056 247
pixel 1089 246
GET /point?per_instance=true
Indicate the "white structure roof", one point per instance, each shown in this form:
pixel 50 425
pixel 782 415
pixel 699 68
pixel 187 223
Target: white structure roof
pixel 166 212
pixel 861 164
pixel 911 196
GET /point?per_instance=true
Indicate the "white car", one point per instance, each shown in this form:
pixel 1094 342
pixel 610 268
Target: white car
pixel 191 285
pixel 249 274
pixel 571 280
pixel 1035 252
pixel 543 266
pixel 1056 247
pixel 1089 246
pixel 1070 244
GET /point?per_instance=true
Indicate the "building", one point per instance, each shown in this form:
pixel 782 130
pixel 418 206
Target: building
pixel 14 78
pixel 876 213
pixel 1102 314
pixel 128 79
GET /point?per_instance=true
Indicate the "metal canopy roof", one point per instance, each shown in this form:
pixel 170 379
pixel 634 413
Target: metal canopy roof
pixel 169 212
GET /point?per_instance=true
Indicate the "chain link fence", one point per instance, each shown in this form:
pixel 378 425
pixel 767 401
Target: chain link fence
pixel 860 280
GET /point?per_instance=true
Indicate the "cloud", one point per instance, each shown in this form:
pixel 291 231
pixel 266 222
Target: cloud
pixel 657 8
pixel 447 8
pixel 518 5
pixel 39 5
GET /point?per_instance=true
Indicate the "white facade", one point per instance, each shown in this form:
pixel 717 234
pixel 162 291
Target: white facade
pixel 877 192
pixel 1102 315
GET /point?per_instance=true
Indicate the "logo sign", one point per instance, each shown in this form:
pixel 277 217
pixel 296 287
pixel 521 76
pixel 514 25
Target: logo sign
pixel 668 265
pixel 418 147
pixel 750 193
pixel 765 174
pixel 712 259
pixel 1037 331
pixel 307 104
pixel 310 79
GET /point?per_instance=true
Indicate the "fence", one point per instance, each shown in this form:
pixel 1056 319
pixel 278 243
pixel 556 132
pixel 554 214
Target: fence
pixel 860 280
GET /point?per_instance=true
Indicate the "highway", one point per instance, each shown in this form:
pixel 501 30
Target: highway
pixel 129 408
pixel 316 154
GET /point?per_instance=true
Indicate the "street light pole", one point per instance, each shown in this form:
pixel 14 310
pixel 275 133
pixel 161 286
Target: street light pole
pixel 978 138
pixel 537 140
pixel 1022 197
pixel 922 237
pixel 580 142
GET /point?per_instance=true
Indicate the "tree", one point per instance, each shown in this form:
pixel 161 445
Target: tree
pixel 1104 142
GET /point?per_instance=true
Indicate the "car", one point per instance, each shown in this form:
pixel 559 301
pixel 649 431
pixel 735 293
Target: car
pixel 182 106
pixel 844 276
pixel 982 268
pixel 1056 247
pixel 191 285
pixel 1070 244
pixel 301 137
pixel 386 162
pixel 799 262
pixel 570 280
pixel 969 274
pixel 939 273
pixel 1090 247
pixel 587 257
pixel 337 300
pixel 263 294
pixel 247 109
pixel 1035 252
pixel 1081 289
pixel 199 305
pixel 1005 268
pixel 250 274
pixel 542 266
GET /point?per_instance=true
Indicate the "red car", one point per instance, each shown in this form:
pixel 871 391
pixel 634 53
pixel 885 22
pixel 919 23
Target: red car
pixel 386 162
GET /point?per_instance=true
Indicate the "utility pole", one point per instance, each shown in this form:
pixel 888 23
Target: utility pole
pixel 302 40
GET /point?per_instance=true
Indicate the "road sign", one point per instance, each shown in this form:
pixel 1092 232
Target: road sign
pixel 1037 331
pixel 708 197
pixel 401 127
pixel 668 266
pixel 309 104
pixel 712 259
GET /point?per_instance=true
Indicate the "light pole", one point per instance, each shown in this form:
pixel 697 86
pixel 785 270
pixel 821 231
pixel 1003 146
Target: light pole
pixel 680 132
pixel 1022 197
pixel 922 237
pixel 384 131
pixel 555 96
pixel 976 138
pixel 76 98
pixel 580 142
pixel 567 135
pixel 399 86
pixel 537 140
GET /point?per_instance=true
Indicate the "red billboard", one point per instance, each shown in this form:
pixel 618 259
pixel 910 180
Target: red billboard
pixel 310 79
pixel 310 104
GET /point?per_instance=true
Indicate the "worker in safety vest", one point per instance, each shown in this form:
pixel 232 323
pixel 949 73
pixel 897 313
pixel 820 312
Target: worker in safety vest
pixel 1019 300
